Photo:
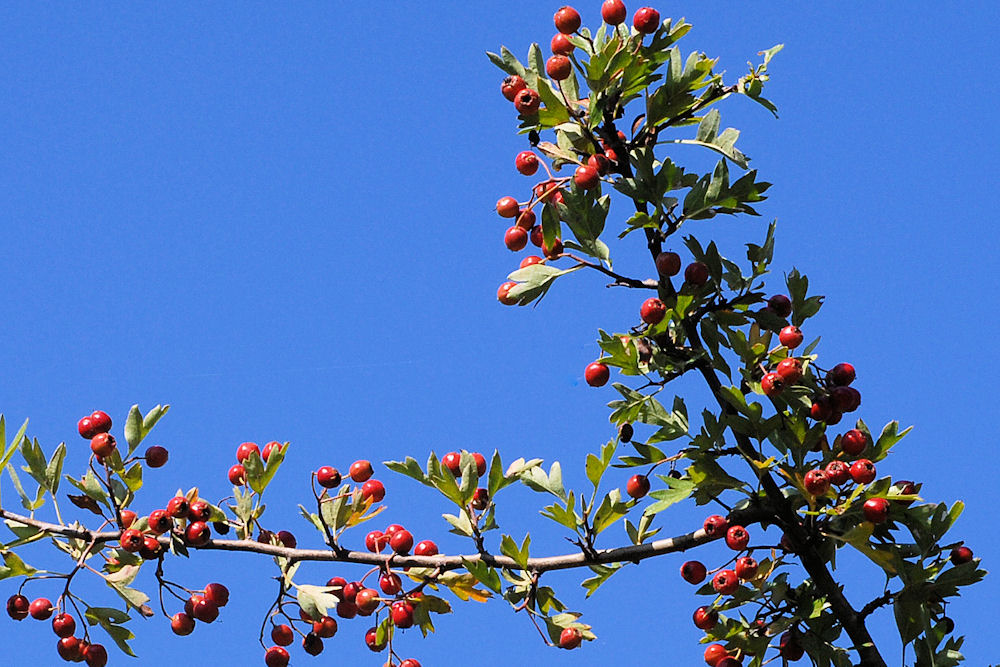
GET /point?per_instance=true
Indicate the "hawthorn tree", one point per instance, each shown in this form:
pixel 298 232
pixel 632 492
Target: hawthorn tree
pixel 787 476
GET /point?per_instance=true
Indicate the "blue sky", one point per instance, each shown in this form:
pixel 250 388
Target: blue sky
pixel 279 220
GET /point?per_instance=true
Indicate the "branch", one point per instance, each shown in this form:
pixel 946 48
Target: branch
pixel 620 280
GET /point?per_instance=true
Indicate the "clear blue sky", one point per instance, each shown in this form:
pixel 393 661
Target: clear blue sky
pixel 279 220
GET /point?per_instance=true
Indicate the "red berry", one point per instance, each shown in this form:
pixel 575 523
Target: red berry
pixel 70 649
pixel 567 20
pixel 480 499
pixel 789 370
pixel 570 638
pixel 504 290
pixel 425 548
pixel 772 384
pixel 480 463
pixel 780 304
pixel 596 374
pixel 960 555
pixel 586 177
pixel 714 654
pixel 838 472
pixel 218 594
pixel 526 219
pixel 150 548
pixel 17 607
pixel 853 442
pixel 312 644
pixel 287 539
pixel 613 12
pixel 715 525
pixel 746 567
pixel 558 67
pixel 821 409
pixel 156 456
pixel 373 489
pixel 511 86
pixel 846 399
pixel 527 102
pixel 599 163
pixel 515 238
pixel 696 273
pixel 40 609
pixel 561 45
pixel 646 20
pixel 705 618
pixel 178 507
pixel 637 486
pixel 668 263
pixel 863 471
pixel 409 662
pixel 325 627
pixel 728 661
pixel 244 451
pixel 526 162
pixel 128 518
pixel 529 260
pixel 181 624
pixel 360 471
pixel 876 510
pixel 371 639
pixel 86 429
pixel 276 657
pixel 725 582
pixel 507 207
pixel 100 422
pixel 63 625
pixel 346 609
pixel 537 236
pixel 238 475
pixel 402 614
pixel 737 538
pixel 282 635
pixel 328 477
pixel 131 540
pixel 693 572
pixel 401 541
pixel 790 337
pixel 205 610
pixel 842 374
pixel 160 522
pixel 453 462
pixel 789 647
pixel 554 250
pixel 390 583
pixel 95 655
pixel 652 311
pixel 197 533
pixel 817 482
pixel 102 444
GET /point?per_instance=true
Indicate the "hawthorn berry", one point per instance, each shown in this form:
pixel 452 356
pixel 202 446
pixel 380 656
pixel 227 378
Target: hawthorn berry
pixel 817 482
pixel 537 236
pixel 715 525
pixel 558 67
pixel 287 539
pixel 360 471
pixel 714 654
pixel 842 374
pixel 637 486
pixel 586 177
pixel 511 86
pixel 197 533
pixel 390 583
pixel 63 625
pixel 821 409
pixel 567 20
pixel 737 538
pixel 728 661
pixel 70 649
pixel 693 572
pixel 204 610
pixel 625 432
pixel 725 582
pixel 325 627
pixel 780 304
pixel 668 263
pixel 853 442
pixel 863 471
pixel 554 250
pixel 181 624
pixel 85 428
pixel 156 456
pixel 570 638
pixel 597 374
pixel 646 20
pixel 503 293
pixel 40 609
pixel 515 238
pixel 705 618
pixel 150 548
pixel 237 475
pixel 960 555
pixel 276 657
pixel 160 522
pixel 244 451
pixel 100 422
pixel 480 499
pixel 530 260
pixel 128 518
pixel 401 541
pixel 401 612
pixel 131 540
pixel 282 635
pixel 507 207
pixel 526 163
pixel 480 463
pixel 409 662
pixel 453 462
pixel 771 384
pixel 425 548
pixel 746 567
pixel 178 507
pixel 367 600
pixel 652 311
pixel 527 102
pixel 102 444
pixel 350 591
pixel 613 12
pixel 561 45
pixel 218 594
pixel 876 510
pixel 599 163
pixel 312 644
pixel 790 337
pixel 200 510
pixel 789 647
pixel 846 399
pixel 371 639
pixel 789 370
pixel 696 274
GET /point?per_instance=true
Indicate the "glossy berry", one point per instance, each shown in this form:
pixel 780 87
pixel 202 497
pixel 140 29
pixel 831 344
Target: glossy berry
pixel 86 428
pixel 178 507
pixel 789 647
pixel 725 582
pixel 63 625
pixel 527 102
pixel 276 657
pixel 728 661
pixel 570 638
pixel 599 163
pixel 526 163
pixel 586 177
pixel 503 293
pixel 646 20
pixel 156 456
pixel 536 236
pixel 40 609
pixel 480 499
pixel 205 610
pixel 746 567
pixel 853 442
pixel 102 444
pixel 637 486
pixel 558 67
pixel 200 510
pixel 714 654
pixel 325 627
pixel 409 662
pixel 244 451
pixel 771 384
pixel 390 583
pixel 596 374
pixel 529 260
pixel 328 477
pixel 789 370
pixel 282 635
pixel 453 462
pixel 150 548
pixel 371 639
pixel 554 250
pixel 715 525
pixel 567 20
pixel 876 510
pixel 507 207
pixel 237 475
pixel 287 539
pixel 402 614
pixel 515 238
pixel 367 600
pixel 181 624
pixel 218 594
pixel 780 304
pixel 790 337
pixel 160 522
pixel 693 572
pixel 613 12
pixel 511 86
pixel 128 518
pixel 197 533
pixel 960 555
pixel 696 274
pixel 312 644
pixel 131 540
pixel 425 548
pixel 817 482
pixel 737 538
pixel 842 374
pixel 360 471
pixel 705 618
pixel 401 542
pixel 652 311
pixel 846 399
pixel 561 45
pixel 863 471
pixel 480 463
pixel 100 422
pixel 668 263
pixel 526 219
pixel 17 607
pixel 70 649
pixel 821 409
pixel 625 432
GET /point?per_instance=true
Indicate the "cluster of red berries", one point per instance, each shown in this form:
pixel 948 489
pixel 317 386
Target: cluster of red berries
pixel 96 427
pixel 69 648
pixel 453 462
pixel 201 606
pixel 360 472
pixel 238 473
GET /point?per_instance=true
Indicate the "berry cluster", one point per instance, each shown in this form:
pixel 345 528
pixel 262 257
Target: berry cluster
pixel 69 647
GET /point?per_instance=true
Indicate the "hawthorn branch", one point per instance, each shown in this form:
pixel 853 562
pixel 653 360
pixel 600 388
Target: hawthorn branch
pixel 620 280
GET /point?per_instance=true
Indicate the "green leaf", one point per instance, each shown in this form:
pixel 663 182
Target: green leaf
pixel 610 510
pixel 507 62
pixel 509 548
pixel 53 471
pixel 678 491
pixel 461 524
pixel 13 566
pixel 602 574
pixel 596 467
pixel 485 574
pixel 315 600
pixel 410 468
pixel 111 620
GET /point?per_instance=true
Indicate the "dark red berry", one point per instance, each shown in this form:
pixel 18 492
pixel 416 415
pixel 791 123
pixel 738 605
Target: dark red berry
pixel 876 510
pixel 637 486
pixel 780 304
pixel 597 374
pixel 725 582
pixel 696 274
pixel 842 374
pixel 646 20
pixel 156 456
pixel 715 525
pixel 567 20
pixel 693 572
pixel 570 638
pixel 960 555
pixel 613 12
pixel 282 635
pixel 705 618
pixel 328 477
pixel 511 86
pixel 668 263
pixel 863 471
